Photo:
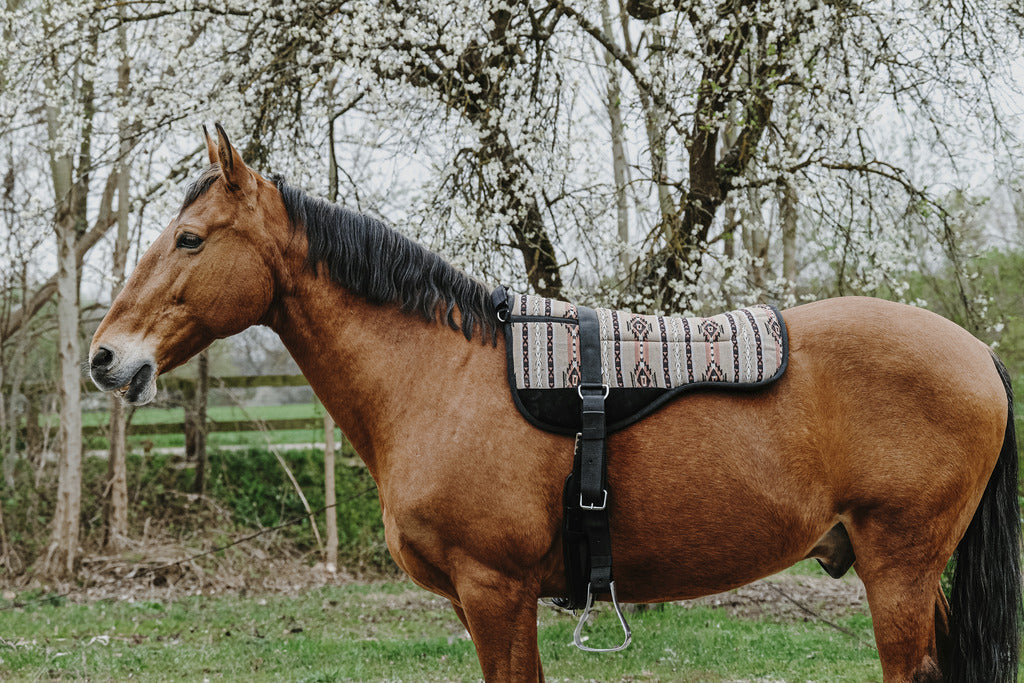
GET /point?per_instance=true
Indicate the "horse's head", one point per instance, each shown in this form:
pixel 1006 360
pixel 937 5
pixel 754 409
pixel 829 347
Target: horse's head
pixel 212 273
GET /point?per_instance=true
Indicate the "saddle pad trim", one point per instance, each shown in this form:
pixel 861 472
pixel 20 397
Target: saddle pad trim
pixel 650 407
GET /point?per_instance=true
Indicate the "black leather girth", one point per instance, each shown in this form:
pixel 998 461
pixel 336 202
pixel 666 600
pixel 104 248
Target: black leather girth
pixel 586 537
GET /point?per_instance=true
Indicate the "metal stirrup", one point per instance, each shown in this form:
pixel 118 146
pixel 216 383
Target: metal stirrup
pixel 586 615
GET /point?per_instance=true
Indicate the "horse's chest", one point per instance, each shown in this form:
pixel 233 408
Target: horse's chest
pixel 415 551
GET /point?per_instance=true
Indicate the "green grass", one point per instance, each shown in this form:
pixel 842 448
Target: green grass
pixel 393 631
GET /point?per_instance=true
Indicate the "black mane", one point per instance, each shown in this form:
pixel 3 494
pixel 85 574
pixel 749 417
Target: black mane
pixel 378 263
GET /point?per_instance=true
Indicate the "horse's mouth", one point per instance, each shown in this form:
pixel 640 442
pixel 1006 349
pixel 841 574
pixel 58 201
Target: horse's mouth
pixel 141 388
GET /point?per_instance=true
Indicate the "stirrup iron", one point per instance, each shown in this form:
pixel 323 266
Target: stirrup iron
pixel 576 636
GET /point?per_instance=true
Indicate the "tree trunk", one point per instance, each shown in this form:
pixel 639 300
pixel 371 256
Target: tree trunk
pixel 33 430
pixel 529 234
pixel 61 555
pixel 117 478
pixel 654 120
pixel 787 215
pixel 18 364
pixel 117 472
pixel 619 166
pixel 677 264
pixel 64 545
pixel 538 252
pixel 756 238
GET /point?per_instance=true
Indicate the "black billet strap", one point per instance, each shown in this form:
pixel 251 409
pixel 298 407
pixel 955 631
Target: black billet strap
pixel 575 548
pixel 590 345
pixel 593 499
pixel 593 392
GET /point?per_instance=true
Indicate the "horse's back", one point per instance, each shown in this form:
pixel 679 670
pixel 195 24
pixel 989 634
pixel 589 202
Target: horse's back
pixel 883 406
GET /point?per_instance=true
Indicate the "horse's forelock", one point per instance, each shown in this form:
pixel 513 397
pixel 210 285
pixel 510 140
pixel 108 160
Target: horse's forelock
pixel 198 187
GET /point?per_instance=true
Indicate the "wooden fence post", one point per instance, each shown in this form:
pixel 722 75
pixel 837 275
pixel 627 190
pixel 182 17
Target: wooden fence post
pixel 117 478
pixel 199 442
pixel 330 497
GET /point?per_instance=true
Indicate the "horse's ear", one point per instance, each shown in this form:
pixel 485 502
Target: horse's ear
pixel 234 170
pixel 211 147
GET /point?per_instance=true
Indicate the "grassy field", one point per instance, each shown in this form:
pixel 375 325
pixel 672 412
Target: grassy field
pixel 396 632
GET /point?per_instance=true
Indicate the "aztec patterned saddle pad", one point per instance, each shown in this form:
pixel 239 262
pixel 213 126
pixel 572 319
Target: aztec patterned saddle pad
pixel 646 360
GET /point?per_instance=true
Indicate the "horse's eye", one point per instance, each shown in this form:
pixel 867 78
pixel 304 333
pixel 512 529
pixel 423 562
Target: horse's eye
pixel 187 240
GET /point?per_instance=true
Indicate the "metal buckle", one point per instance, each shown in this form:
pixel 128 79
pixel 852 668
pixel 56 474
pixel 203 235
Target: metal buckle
pixel 602 506
pixel 577 634
pixel 580 387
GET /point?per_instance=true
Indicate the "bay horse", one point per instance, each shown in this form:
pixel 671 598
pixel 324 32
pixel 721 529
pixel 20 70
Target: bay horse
pixel 889 439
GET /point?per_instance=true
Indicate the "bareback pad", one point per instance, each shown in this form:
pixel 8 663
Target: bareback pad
pixel 646 360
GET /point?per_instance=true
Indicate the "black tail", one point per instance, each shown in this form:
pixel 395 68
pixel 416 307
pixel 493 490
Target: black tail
pixel 985 604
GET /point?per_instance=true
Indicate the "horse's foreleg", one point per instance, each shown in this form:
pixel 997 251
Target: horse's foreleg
pixel 501 617
pixel 465 622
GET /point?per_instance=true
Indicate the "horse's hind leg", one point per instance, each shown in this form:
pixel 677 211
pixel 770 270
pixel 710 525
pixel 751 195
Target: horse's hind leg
pixel 904 612
pixel 900 561
pixel 942 639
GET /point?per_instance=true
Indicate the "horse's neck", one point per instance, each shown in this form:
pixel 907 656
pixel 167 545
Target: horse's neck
pixel 376 370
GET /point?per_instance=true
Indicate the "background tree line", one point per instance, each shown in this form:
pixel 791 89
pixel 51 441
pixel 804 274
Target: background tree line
pixel 661 155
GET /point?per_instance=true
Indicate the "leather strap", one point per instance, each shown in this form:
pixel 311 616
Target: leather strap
pixel 593 392
pixel 593 491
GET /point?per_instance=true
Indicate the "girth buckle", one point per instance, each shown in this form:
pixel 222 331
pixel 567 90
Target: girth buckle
pixel 602 506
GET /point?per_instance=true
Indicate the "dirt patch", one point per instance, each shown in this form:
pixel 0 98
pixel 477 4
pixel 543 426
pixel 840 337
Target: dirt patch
pixel 171 570
pixel 792 597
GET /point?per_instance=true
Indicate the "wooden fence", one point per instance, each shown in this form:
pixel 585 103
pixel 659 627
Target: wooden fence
pixel 185 390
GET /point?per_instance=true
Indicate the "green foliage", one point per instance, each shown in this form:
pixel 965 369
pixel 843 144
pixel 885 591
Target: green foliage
pixel 1000 280
pixel 28 510
pixel 250 486
pixel 996 287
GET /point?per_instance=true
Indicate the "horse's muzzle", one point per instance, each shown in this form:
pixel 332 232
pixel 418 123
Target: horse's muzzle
pixel 133 379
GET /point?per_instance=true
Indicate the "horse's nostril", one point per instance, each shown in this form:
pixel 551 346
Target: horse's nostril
pixel 102 358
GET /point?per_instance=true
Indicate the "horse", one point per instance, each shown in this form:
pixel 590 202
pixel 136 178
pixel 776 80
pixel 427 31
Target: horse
pixel 888 441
